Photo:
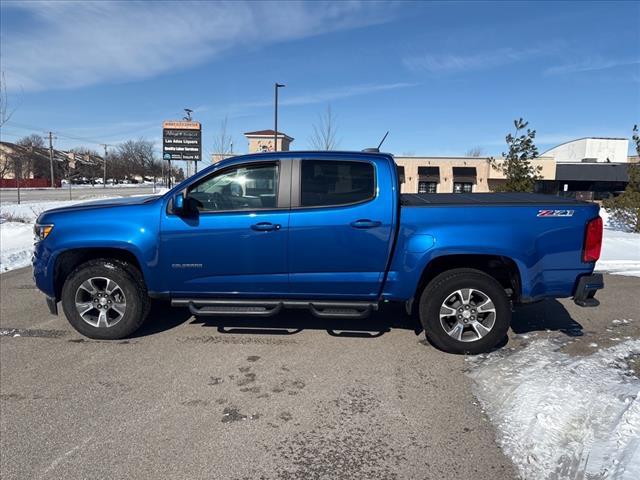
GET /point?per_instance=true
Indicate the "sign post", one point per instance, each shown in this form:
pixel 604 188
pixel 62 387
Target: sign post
pixel 181 140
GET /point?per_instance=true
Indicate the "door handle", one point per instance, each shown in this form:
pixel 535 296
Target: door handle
pixel 265 226
pixel 365 223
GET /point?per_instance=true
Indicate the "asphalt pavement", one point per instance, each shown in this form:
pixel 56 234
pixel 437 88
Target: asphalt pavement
pixel 10 195
pixel 292 397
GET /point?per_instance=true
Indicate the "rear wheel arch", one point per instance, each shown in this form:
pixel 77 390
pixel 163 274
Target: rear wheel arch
pixel 503 269
pixel 464 310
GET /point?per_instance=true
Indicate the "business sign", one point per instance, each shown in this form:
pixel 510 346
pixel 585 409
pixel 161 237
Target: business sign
pixel 181 140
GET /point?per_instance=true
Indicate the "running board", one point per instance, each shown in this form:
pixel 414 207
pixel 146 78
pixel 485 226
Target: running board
pixel 268 308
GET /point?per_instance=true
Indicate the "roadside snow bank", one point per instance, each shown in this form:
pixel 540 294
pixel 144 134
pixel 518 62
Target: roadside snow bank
pixel 562 417
pixel 16 228
pixel 29 211
pixel 16 231
pixel 16 241
pixel 620 249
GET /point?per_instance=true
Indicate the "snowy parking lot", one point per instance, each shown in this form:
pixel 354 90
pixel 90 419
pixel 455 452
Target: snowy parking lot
pixel 561 397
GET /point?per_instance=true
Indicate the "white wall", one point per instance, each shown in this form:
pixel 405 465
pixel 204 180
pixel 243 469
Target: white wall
pixel 614 149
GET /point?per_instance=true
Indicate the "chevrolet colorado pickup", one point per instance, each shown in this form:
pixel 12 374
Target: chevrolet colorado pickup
pixel 325 231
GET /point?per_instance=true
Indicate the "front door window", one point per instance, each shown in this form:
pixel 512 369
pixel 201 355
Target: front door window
pixel 243 188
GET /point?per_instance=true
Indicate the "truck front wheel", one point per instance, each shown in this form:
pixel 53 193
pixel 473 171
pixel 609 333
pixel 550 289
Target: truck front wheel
pixel 465 311
pixel 105 299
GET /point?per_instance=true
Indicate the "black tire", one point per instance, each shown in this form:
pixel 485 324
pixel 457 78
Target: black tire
pixel 443 287
pixel 131 285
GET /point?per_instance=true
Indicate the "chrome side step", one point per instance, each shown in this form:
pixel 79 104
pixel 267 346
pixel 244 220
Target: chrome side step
pixel 268 308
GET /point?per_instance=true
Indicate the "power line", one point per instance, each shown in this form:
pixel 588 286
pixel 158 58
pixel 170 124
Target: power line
pixel 61 133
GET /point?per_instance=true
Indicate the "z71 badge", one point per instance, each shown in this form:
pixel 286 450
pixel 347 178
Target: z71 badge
pixel 555 213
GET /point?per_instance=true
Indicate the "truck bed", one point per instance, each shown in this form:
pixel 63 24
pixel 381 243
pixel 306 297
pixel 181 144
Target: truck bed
pixel 479 199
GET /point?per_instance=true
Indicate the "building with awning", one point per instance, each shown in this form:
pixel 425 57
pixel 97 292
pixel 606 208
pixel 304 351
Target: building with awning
pixel 456 174
pixel 588 168
pixel 588 181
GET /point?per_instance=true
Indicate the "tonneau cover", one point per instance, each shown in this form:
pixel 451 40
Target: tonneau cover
pixel 427 199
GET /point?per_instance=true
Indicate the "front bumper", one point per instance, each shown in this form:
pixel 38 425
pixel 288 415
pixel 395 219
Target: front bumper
pixel 587 287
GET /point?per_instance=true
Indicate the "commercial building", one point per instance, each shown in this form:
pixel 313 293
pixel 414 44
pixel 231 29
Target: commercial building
pixel 458 174
pixel 588 168
pixel 263 140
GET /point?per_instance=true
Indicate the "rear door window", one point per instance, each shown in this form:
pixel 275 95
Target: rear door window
pixel 330 183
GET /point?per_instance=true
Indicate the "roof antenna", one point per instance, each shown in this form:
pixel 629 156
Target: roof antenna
pixel 383 139
pixel 377 150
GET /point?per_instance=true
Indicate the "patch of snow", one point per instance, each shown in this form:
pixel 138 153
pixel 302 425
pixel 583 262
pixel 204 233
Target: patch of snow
pixel 29 211
pixel 16 245
pixel 620 250
pixel 562 417
pixel 16 237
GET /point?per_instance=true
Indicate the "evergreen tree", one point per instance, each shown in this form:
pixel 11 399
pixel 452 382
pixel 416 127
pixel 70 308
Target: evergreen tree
pixel 521 175
pixel 625 208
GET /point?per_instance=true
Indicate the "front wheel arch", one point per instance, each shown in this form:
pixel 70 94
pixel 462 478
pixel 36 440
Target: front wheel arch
pixel 67 261
pixel 135 300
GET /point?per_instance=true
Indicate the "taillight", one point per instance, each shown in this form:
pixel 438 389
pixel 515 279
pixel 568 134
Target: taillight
pixel 592 241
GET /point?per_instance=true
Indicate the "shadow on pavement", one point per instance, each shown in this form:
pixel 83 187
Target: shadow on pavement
pixel 545 315
pixel 162 317
pixel 289 322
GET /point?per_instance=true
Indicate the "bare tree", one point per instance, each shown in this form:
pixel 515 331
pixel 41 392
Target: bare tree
pixel 135 157
pixel 30 163
pixel 474 152
pixel 324 132
pixel 5 111
pixel 222 142
pixel 34 141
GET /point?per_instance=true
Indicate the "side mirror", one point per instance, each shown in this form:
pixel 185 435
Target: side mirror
pixel 186 207
pixel 178 204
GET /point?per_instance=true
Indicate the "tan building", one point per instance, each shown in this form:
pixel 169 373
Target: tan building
pixel 262 141
pixel 458 174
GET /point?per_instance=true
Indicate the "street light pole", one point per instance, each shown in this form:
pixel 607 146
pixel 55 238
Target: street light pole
pixel 275 132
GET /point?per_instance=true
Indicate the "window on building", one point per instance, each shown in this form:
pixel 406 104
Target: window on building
pixel 462 187
pixel 325 183
pixel 427 187
pixel 242 188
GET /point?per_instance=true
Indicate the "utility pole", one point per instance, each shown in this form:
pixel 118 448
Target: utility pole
pixel 104 166
pixel 275 130
pixel 53 184
pixel 18 174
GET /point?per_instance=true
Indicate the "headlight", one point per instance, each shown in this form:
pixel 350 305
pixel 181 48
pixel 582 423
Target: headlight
pixel 42 231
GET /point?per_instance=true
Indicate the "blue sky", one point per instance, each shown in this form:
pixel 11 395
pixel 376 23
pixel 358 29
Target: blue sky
pixel 442 77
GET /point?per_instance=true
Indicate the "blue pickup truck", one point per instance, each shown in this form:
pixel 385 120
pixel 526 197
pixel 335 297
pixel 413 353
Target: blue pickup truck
pixel 325 231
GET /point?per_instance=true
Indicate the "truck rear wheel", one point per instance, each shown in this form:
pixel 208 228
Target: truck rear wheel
pixel 105 299
pixel 465 311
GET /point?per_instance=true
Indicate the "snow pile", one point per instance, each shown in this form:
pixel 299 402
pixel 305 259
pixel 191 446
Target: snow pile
pixel 16 231
pixel 620 249
pixel 16 228
pixel 563 417
pixel 29 211
pixel 16 241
